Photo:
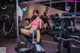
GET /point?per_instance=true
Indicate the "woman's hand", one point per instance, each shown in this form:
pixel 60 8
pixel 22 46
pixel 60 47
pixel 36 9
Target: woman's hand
pixel 27 26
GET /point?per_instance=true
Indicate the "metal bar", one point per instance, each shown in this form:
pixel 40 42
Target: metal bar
pixel 75 6
pixel 50 3
pixel 60 35
pixel 34 1
pixel 53 2
pixel 66 3
pixel 17 24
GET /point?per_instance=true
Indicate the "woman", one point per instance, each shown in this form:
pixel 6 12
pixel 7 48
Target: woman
pixel 45 18
pixel 34 25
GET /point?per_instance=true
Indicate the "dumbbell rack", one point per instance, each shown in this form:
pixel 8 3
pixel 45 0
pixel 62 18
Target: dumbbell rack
pixel 60 38
pixel 60 35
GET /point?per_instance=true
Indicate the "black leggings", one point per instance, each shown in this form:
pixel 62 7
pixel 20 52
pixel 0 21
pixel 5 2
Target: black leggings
pixel 45 20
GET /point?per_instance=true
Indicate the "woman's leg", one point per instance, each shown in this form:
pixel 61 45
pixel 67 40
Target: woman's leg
pixel 45 25
pixel 38 36
pixel 48 25
pixel 25 31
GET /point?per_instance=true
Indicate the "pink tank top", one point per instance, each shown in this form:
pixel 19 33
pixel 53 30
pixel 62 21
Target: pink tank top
pixel 36 22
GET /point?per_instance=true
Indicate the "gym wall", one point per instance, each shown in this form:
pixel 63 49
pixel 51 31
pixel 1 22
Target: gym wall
pixel 41 8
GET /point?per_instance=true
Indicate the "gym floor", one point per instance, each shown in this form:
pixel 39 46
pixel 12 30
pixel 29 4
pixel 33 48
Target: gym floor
pixel 48 44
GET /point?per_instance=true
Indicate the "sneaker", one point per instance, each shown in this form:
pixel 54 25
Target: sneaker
pixel 38 47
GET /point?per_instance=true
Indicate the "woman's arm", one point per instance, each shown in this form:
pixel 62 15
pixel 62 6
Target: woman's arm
pixel 40 24
pixel 28 26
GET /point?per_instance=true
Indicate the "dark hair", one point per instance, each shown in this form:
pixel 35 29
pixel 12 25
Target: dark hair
pixel 36 11
pixel 47 8
pixel 33 17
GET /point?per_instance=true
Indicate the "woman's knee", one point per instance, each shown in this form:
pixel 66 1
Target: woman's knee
pixel 38 31
pixel 24 31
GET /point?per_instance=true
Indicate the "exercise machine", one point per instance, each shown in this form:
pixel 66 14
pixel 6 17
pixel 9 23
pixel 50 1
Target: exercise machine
pixel 64 31
pixel 31 45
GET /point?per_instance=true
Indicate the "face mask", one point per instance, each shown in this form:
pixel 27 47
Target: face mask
pixel 35 13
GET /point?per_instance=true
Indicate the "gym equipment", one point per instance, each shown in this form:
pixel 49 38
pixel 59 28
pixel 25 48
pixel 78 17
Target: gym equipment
pixel 7 28
pixel 1 24
pixel 56 20
pixel 65 33
pixel 31 45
